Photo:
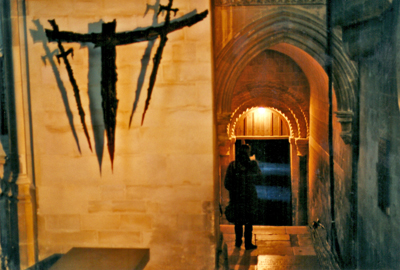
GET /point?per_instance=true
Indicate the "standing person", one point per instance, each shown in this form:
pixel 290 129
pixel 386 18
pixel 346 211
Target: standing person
pixel 241 177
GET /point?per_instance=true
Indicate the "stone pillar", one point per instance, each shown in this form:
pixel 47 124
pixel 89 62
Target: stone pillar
pixel 302 153
pixel 298 169
pixel 26 189
pixel 295 178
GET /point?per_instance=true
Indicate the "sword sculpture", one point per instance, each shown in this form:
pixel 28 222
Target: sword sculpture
pixel 108 39
pixel 64 55
pixel 157 56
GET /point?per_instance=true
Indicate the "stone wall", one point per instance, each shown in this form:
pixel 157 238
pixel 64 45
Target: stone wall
pixel 160 192
pixel 370 29
pixel 378 227
pixel 319 180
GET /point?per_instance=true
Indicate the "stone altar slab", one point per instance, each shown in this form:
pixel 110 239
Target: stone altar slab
pixel 103 259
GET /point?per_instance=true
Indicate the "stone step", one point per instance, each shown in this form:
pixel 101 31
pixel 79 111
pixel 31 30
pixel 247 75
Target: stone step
pixel 279 247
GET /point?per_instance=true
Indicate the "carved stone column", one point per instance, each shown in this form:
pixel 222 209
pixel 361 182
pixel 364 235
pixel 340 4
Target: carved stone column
pixel 295 179
pixel 298 169
pixel 21 139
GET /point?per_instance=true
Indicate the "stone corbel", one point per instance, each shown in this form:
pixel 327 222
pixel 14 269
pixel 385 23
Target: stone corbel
pixel 302 146
pixel 345 118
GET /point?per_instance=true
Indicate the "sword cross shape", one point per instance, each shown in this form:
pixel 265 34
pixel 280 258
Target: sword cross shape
pixel 107 40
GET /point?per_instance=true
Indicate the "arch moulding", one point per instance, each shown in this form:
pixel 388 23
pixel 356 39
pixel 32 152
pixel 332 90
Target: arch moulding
pixel 297 28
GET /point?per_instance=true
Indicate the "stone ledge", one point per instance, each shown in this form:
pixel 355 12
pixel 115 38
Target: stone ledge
pixel 103 259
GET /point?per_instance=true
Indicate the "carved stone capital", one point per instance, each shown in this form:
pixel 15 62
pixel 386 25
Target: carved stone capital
pixel 345 118
pixel 223 118
pixel 302 146
pixel 224 147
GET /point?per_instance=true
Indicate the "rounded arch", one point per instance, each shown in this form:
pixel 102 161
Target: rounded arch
pixel 287 117
pixel 294 116
pixel 285 25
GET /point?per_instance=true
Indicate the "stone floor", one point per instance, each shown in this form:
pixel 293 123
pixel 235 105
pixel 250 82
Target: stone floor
pixel 279 248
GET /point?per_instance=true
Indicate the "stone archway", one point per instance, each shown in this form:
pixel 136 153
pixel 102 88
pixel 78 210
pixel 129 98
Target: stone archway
pixel 302 37
pixel 295 29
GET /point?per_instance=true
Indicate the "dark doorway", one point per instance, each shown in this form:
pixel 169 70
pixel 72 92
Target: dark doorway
pixel 274 192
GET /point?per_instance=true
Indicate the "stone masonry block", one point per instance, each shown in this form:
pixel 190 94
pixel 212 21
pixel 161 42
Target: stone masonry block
pixel 85 181
pixel 143 170
pixel 173 97
pixel 189 207
pixel 136 222
pixel 167 236
pixel 99 206
pixel 120 239
pixel 63 223
pixel 187 72
pixel 192 222
pixel 42 8
pixel 131 8
pixel 59 200
pixel 204 95
pixel 176 140
pixel 113 192
pixel 137 192
pixel 203 51
pixel 164 221
pixel 87 8
pixel 82 238
pixel 189 118
pixel 195 165
pixel 182 194
pixel 185 52
pixel 128 206
pixel 101 222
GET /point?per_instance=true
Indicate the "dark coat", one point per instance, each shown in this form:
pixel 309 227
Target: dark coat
pixel 240 180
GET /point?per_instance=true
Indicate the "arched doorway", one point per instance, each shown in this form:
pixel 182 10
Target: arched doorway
pixel 267 132
pixel 273 80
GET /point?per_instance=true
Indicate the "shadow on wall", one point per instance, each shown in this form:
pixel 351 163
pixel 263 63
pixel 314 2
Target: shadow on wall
pixel 103 100
pixel 39 35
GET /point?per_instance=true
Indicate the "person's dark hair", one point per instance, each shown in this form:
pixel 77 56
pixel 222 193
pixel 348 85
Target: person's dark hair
pixel 243 155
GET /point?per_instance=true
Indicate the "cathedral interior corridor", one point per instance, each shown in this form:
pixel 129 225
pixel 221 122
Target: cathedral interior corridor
pixel 120 119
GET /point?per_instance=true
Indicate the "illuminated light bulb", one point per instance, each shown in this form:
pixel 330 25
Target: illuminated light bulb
pixel 261 110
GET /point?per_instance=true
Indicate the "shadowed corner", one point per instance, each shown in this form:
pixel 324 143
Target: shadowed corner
pixel 39 35
pixel 94 92
pixel 145 59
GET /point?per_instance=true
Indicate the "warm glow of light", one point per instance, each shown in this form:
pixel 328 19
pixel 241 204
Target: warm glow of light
pixel 262 110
